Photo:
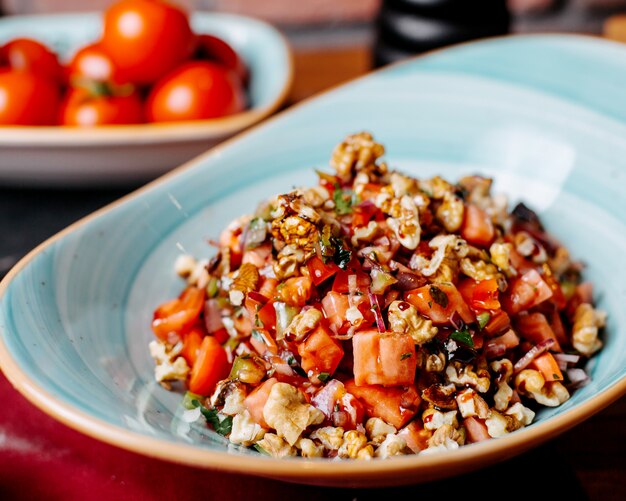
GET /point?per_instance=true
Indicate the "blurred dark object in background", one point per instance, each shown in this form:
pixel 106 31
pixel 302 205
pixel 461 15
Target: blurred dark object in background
pixel 408 27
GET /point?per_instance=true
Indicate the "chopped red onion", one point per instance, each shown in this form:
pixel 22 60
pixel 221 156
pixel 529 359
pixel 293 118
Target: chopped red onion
pixel 531 354
pixel 566 360
pixel 457 321
pixel 380 322
pixel 578 377
pixel 494 350
pixel 258 297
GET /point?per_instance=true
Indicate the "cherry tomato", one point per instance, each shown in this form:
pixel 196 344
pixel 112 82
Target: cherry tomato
pixel 81 107
pixel 25 54
pixel 146 38
pixel 215 49
pixel 195 91
pixel 91 63
pixel 27 99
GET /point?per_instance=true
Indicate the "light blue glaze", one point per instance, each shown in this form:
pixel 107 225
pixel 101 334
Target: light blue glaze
pixel 544 115
pixel 259 44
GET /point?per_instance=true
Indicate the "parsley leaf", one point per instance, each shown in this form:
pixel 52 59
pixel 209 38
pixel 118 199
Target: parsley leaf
pixel 222 427
pixel 405 355
pixel 483 319
pixel 463 337
pixel 342 257
pixel 323 376
pixel 343 200
pixel 439 297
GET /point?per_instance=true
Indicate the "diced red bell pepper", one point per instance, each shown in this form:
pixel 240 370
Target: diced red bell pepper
pixel 320 271
pixel 177 316
pixel 480 295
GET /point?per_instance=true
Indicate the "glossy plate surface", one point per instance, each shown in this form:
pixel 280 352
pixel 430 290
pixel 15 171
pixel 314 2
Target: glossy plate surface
pixel 117 155
pixel 75 313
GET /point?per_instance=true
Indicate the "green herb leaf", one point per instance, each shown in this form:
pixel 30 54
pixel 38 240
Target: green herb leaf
pixel 223 427
pixel 342 258
pixel 439 297
pixel 343 200
pixel 483 319
pixel 260 449
pixel 405 355
pixel 464 337
pixel 191 400
pixel 323 376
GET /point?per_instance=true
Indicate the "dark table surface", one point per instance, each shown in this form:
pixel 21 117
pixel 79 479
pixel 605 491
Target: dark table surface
pixel 43 459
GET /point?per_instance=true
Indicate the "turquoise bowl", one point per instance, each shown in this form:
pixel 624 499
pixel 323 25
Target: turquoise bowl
pixel 543 115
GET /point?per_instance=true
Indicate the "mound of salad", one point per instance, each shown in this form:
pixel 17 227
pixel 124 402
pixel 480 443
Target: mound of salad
pixel 377 314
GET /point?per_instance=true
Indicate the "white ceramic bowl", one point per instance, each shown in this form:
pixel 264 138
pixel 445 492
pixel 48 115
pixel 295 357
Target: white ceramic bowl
pixel 129 154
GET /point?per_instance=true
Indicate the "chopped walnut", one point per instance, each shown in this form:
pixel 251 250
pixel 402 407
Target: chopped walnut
pixel 309 449
pixel 464 375
pixel 434 419
pixel 246 279
pixel 522 414
pixel 393 445
pixel 472 404
pixel 500 254
pixel 245 430
pixel 304 323
pixel 406 226
pixel 366 233
pixel 402 185
pixel 444 245
pixel 316 196
pixel 504 393
pixel 288 413
pixel 330 437
pixel 532 383
pixel 403 317
pixel 439 395
pixel 444 434
pixel 436 187
pixel 169 365
pixel 353 442
pixel 276 447
pixel 288 261
pixel 499 424
pixel 435 362
pixel 451 211
pixel 358 152
pixel 378 430
pixel 479 270
pixel 587 322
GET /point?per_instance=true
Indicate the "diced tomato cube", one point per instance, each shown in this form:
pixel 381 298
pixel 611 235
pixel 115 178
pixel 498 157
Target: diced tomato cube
pixel 320 352
pixel 256 400
pixel 535 328
pixel 548 366
pixel 396 406
pixel 440 308
pixel 320 271
pixel 476 429
pixel 415 435
pixel 387 359
pixel 295 291
pixel 499 322
pixel 480 295
pixel 341 282
pixel 525 292
pixel 175 317
pixel 477 227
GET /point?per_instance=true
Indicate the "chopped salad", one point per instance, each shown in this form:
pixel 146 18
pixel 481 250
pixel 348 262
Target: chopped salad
pixel 376 314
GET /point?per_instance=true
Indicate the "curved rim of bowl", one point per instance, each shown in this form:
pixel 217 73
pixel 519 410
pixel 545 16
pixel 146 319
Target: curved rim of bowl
pixel 401 470
pixel 161 132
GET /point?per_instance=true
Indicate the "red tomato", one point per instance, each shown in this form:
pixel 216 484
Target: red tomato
pixel 211 366
pixel 342 281
pixel 195 91
pixel 215 49
pixel 80 107
pixel 320 271
pixel 178 315
pixel 525 292
pixel 535 328
pixel 440 309
pixel 27 99
pixel 477 227
pixel 295 291
pixel 91 63
pixel 320 352
pixel 146 38
pixel 482 295
pixel 387 359
pixel 25 54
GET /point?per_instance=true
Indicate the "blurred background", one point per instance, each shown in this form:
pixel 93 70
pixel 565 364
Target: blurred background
pixel 356 35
